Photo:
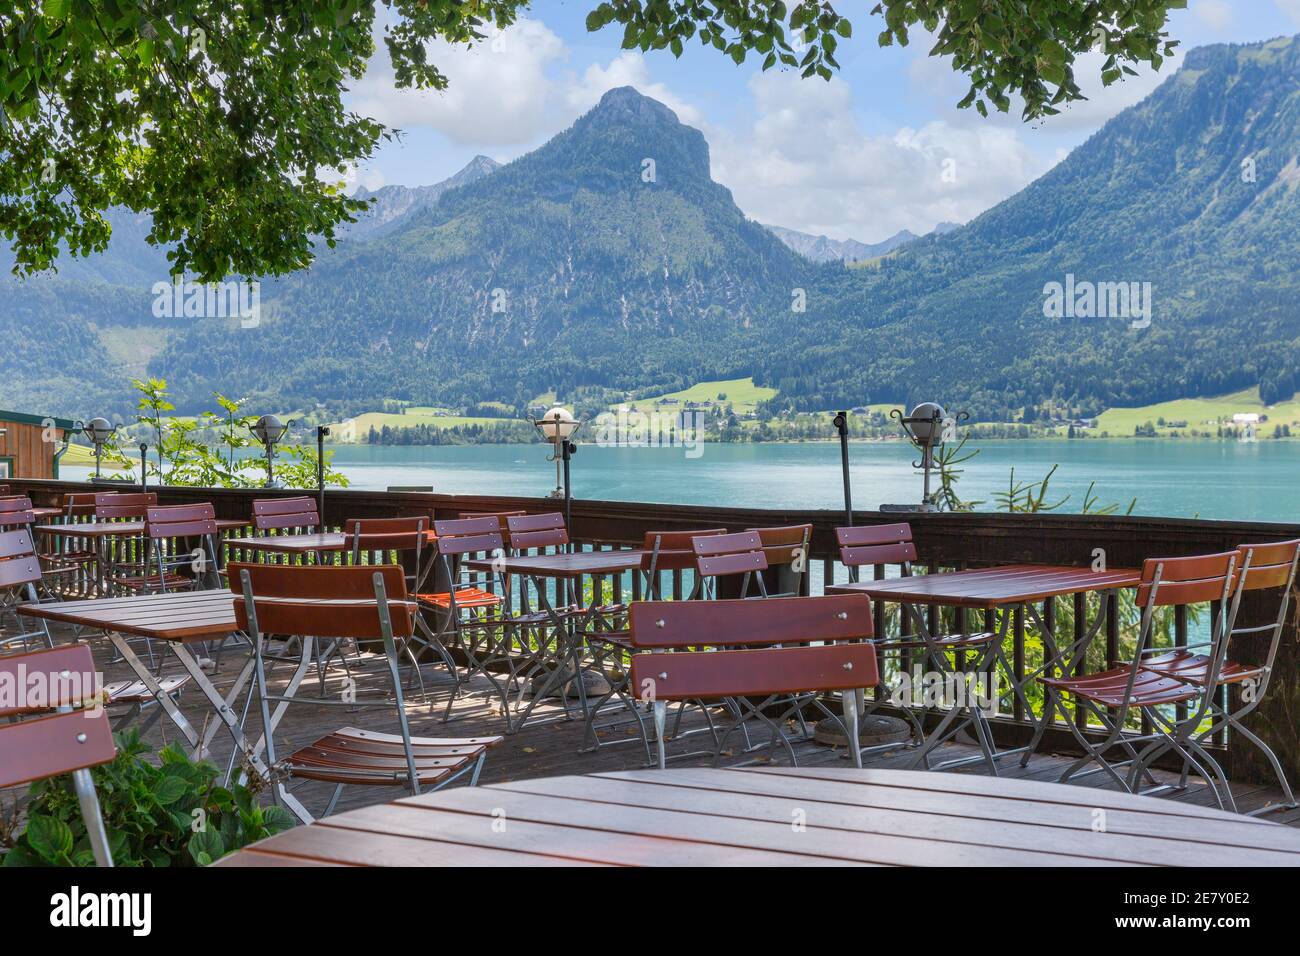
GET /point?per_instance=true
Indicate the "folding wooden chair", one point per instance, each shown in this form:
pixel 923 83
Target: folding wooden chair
pixel 286 515
pixel 1269 567
pixel 1111 696
pixel 870 545
pixel 124 556
pixel 166 528
pixel 385 541
pixel 779 649
pixel 464 612
pixel 729 555
pixel 340 602
pixel 787 547
pixel 71 740
pixel 20 573
pixel 663 552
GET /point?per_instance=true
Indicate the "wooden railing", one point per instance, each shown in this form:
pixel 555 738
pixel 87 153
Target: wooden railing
pixel 945 541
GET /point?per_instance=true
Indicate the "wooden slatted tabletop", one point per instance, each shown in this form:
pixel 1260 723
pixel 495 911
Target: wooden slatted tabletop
pixel 779 817
pixel 181 616
pixel 992 587
pixel 110 529
pixel 563 565
pixel 302 543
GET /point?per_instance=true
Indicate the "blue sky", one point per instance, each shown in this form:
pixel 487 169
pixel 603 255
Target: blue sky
pixel 880 148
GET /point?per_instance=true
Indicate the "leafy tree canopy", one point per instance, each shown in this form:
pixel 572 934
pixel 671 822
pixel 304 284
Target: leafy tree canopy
pixel 224 119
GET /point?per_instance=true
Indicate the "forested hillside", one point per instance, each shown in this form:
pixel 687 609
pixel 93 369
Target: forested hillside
pixel 609 258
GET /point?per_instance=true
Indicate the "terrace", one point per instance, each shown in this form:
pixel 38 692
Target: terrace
pixel 552 740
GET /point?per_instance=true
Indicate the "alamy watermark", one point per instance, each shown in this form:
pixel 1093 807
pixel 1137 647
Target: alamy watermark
pixel 231 299
pixel 22 689
pixel 1082 299
pixel 630 428
pixel 974 690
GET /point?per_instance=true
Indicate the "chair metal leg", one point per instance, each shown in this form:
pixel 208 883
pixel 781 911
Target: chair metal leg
pixel 660 719
pixel 850 700
pixel 85 787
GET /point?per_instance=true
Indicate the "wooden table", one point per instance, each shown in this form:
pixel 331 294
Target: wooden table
pixel 175 619
pixel 565 568
pixel 1006 588
pixel 100 533
pixel 779 817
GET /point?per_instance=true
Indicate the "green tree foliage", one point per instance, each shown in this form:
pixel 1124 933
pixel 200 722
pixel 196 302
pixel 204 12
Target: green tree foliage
pixel 224 119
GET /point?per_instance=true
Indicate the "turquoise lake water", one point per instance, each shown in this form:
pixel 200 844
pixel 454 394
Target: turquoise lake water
pixel 1209 479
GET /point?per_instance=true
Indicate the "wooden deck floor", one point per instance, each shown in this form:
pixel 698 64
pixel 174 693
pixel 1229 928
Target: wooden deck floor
pixel 549 744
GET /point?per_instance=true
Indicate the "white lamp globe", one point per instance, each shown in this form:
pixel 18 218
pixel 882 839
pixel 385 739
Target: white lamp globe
pixel 557 424
pixel 926 422
pixel 99 431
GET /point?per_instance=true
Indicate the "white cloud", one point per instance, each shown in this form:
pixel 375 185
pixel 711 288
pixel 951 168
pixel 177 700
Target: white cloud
pixel 1215 14
pixel 807 163
pixel 1291 8
pixel 498 91
pixel 627 69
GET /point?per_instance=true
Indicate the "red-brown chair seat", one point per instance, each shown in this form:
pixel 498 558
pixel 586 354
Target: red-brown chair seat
pixel 945 641
pixel 471 597
pixel 1194 668
pixel 143 582
pixel 1107 688
pixel 134 691
pixel 365 757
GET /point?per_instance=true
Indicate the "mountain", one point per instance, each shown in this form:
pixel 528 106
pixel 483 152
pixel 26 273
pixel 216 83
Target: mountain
pixel 1193 190
pixel 825 249
pixel 606 257
pixel 389 204
pixel 609 258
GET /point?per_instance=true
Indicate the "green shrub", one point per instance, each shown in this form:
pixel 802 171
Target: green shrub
pixel 171 813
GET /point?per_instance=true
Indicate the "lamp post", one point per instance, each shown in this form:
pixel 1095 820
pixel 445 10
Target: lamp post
pixel 558 426
pixel 100 431
pixel 321 432
pixel 269 430
pixel 841 422
pixel 927 427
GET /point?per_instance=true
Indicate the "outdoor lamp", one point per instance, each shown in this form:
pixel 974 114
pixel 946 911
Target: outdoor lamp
pixel 269 430
pixel 100 431
pixel 558 426
pixel 926 427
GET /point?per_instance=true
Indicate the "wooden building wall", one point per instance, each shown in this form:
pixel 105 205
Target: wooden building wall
pixel 28 455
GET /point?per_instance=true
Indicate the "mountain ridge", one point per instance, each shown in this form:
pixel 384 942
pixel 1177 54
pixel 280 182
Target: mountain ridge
pixel 609 261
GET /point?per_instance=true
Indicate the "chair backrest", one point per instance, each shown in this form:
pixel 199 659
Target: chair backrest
pixel 876 544
pixel 1198 579
pixel 18 562
pixel 718 555
pixel 501 517
pixel 16 511
pixel 331 601
pixel 81 504
pixel 4 491
pixel 180 521
pixel 672 550
pixel 64 677
pixel 1271 565
pixel 271 514
pixel 114 505
pixel 537 531
pixel 752 664
pixel 785 545
pixel 386 534
pixel 457 536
